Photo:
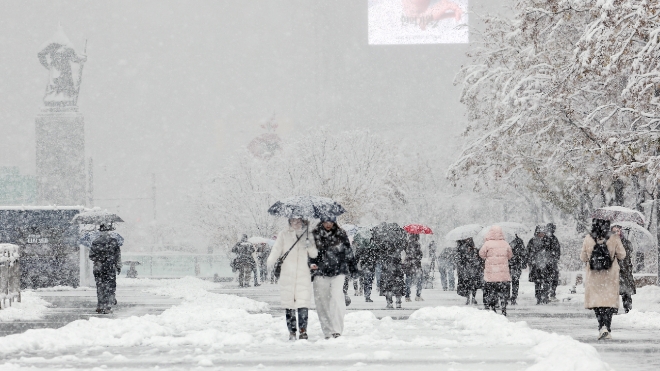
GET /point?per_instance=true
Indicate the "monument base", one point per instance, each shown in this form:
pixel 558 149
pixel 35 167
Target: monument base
pixel 60 137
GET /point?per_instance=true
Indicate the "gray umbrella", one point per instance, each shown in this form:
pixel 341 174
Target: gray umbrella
pixel 96 217
pixel 619 214
pixel 306 207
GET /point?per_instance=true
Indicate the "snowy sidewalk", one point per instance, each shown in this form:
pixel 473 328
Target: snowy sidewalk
pixel 212 328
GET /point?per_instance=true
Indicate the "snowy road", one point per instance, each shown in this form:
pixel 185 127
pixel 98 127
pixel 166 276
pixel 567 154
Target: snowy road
pixel 189 324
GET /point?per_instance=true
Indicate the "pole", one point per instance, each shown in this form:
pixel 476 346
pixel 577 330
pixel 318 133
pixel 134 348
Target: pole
pixel 657 231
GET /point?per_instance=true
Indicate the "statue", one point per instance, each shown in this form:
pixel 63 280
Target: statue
pixel 65 70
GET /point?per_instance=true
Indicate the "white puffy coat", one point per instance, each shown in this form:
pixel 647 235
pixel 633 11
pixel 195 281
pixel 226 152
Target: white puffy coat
pixel 295 279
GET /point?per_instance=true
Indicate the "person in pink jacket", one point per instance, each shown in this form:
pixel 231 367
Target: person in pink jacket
pixel 497 253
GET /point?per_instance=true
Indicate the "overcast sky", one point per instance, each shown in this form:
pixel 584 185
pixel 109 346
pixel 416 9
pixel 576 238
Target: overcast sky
pixel 176 87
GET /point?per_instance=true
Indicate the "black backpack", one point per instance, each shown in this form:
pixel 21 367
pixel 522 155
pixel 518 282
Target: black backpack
pixel 600 257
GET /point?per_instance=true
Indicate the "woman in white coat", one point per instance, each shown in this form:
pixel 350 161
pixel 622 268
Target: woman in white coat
pixel 295 278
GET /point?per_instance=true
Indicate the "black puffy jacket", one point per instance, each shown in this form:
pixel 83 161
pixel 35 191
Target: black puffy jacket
pixel 335 252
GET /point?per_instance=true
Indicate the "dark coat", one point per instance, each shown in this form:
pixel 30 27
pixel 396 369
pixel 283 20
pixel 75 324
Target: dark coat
pixel 540 261
pixel 335 253
pixel 243 250
pixel 414 255
pixel 390 240
pixel 555 251
pixel 106 254
pixel 626 280
pixel 519 260
pixel 365 253
pixel 470 268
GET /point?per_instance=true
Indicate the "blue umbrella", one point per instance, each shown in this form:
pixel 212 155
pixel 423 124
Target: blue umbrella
pixel 306 207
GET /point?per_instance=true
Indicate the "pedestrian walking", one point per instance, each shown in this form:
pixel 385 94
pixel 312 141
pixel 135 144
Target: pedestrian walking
pixel 390 240
pixel 516 265
pixel 105 253
pixel 626 281
pixel 602 250
pixel 446 266
pixel 365 253
pixel 263 251
pixel 296 246
pixel 540 265
pixel 470 268
pixel 334 262
pixel 555 256
pixel 496 252
pixel 244 261
pixel 413 267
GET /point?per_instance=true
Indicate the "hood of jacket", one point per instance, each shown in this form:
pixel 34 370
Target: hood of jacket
pixel 495 233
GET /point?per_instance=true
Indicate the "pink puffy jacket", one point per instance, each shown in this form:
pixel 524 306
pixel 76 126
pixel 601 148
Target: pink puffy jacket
pixel 497 253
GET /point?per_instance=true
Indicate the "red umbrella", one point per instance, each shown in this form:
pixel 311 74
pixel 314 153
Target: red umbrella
pixel 418 229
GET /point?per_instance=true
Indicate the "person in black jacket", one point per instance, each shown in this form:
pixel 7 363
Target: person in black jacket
pixel 540 264
pixel 334 262
pixel 244 261
pixel 365 253
pixel 413 266
pixel 106 255
pixel 516 265
pixel 470 268
pixel 626 280
pixel 390 240
pixel 446 265
pixel 555 254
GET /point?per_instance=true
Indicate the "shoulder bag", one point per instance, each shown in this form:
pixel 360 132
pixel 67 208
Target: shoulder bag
pixel 277 270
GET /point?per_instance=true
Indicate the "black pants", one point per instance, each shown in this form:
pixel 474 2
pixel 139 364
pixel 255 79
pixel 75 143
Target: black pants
pixel 554 283
pixel 244 275
pixel 542 287
pixel 368 282
pixel 627 302
pixel 302 319
pixel 106 285
pixel 496 293
pixel 604 317
pixel 515 285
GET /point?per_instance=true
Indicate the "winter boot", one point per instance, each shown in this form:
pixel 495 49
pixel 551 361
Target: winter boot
pixel 398 302
pixel 467 302
pixel 603 334
pixel 336 335
pixel 408 299
pixel 504 312
pixel 292 336
pixel 303 334
pixel 388 299
pixel 368 300
pixel 418 298
pixel 513 302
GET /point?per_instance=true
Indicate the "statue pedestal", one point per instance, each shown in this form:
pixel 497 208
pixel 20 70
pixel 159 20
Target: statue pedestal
pixel 60 137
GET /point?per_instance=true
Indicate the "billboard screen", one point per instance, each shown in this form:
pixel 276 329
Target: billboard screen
pixel 398 22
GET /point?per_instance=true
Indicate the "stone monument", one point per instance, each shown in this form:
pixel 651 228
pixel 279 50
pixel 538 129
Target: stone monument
pixel 60 128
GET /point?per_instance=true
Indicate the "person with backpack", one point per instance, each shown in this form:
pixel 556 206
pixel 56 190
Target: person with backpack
pixel 626 280
pixel 601 251
pixel 294 246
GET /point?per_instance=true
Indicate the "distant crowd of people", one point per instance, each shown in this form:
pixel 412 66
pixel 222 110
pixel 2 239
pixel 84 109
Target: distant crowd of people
pixel 324 261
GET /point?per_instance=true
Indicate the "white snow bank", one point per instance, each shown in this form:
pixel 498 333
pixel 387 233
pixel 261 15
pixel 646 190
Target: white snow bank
pixel 64 288
pixel 647 298
pixel 31 308
pixel 551 351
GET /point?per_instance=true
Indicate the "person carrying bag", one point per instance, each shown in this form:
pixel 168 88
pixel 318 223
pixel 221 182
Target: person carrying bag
pixel 601 251
pixel 289 256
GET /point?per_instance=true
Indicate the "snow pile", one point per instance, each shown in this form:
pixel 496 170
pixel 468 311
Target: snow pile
pixel 31 308
pixel 551 351
pixel 60 288
pixel 647 298
pixel 645 313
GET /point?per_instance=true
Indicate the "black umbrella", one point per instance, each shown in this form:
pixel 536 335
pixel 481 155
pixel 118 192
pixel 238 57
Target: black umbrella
pixel 97 218
pixel 306 207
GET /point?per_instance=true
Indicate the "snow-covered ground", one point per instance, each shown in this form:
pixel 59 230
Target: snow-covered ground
pixel 212 330
pixel 31 308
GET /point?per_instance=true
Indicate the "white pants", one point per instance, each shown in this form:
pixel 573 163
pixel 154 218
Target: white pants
pixel 330 303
